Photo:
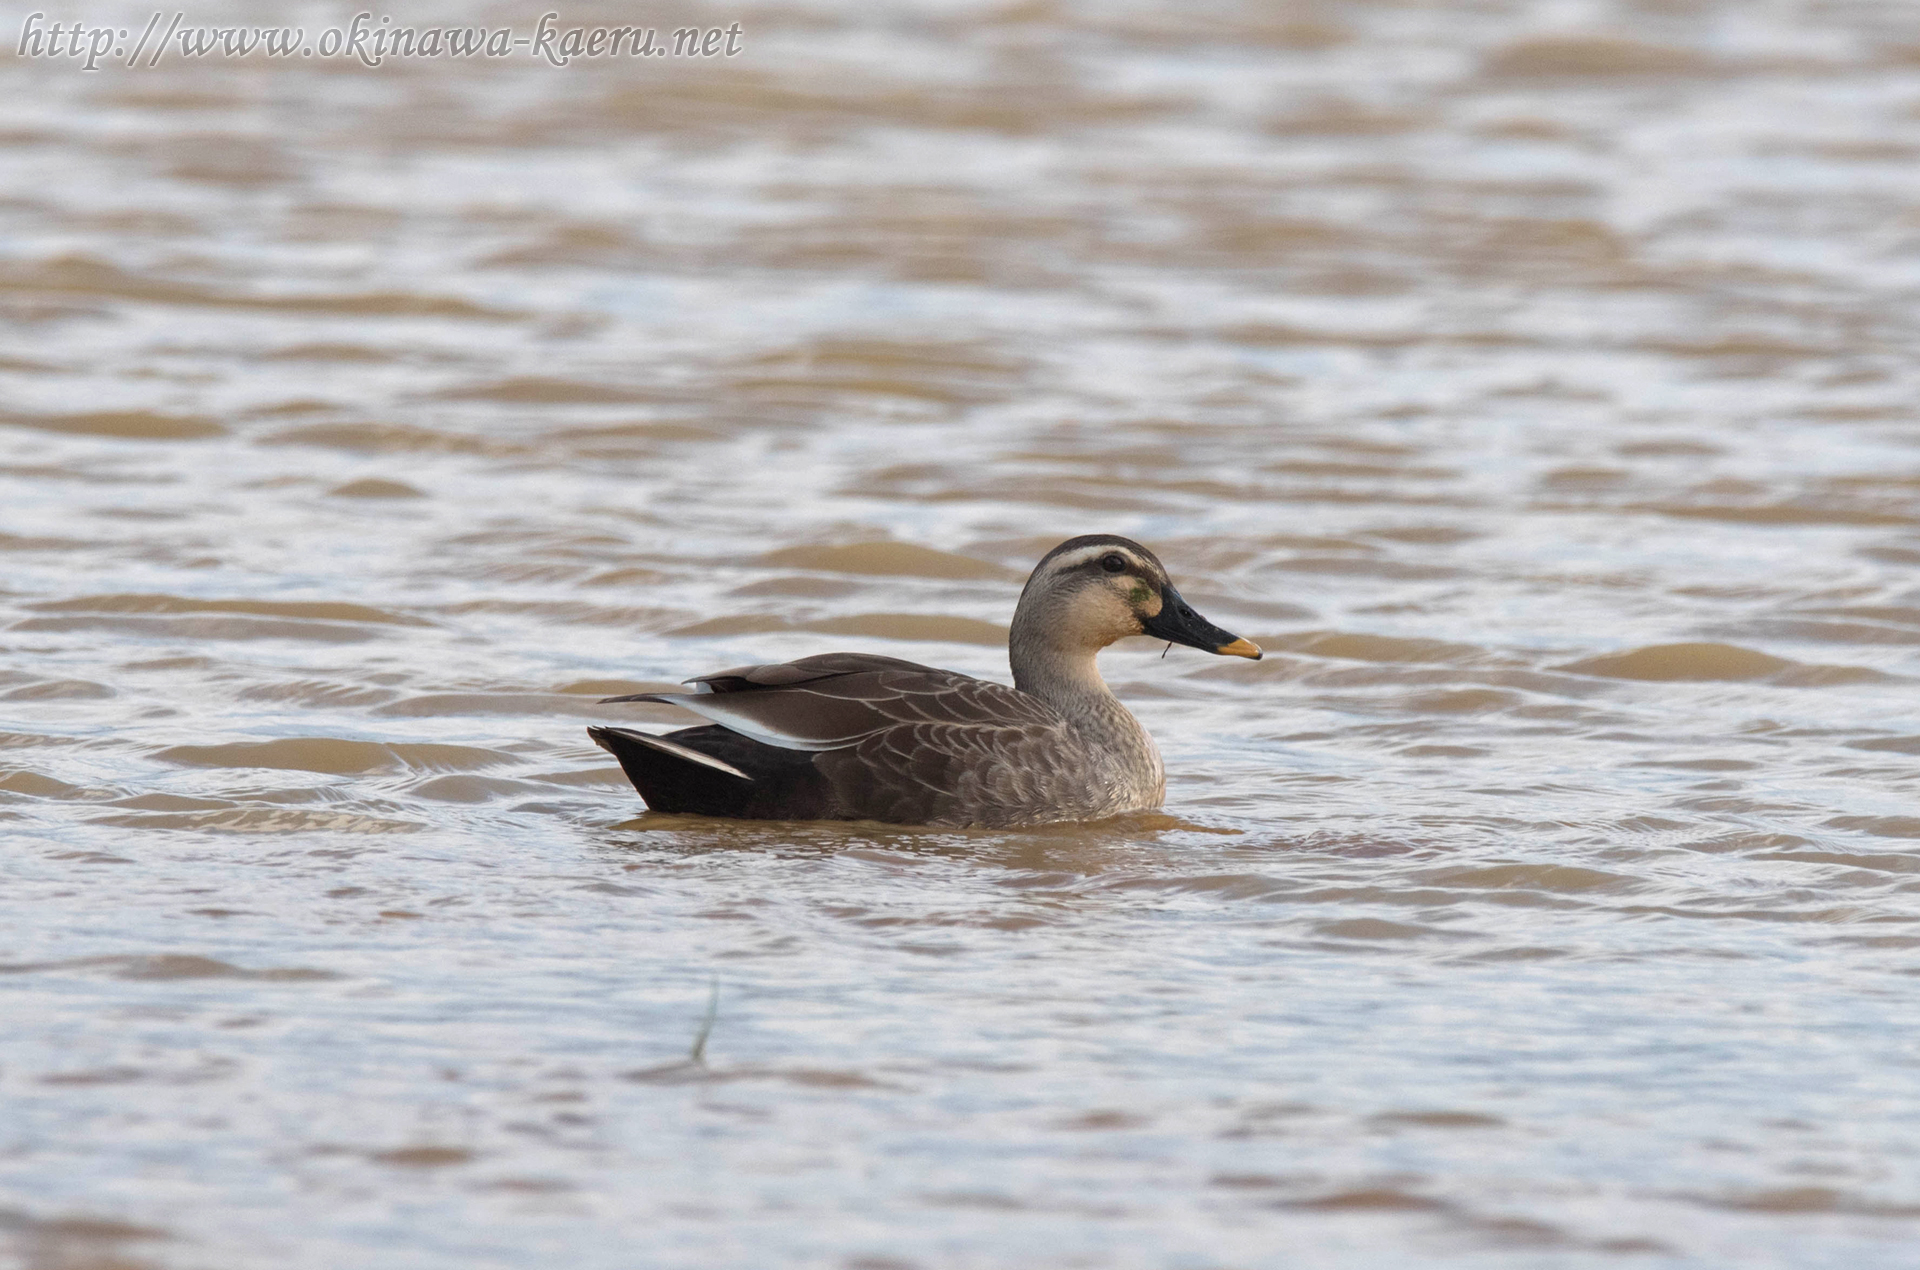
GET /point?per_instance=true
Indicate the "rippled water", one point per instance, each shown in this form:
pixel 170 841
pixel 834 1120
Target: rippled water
pixel 1534 381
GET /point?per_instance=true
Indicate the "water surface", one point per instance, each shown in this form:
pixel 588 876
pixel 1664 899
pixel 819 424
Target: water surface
pixel 1534 381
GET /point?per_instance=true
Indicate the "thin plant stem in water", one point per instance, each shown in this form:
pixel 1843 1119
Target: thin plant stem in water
pixel 698 1054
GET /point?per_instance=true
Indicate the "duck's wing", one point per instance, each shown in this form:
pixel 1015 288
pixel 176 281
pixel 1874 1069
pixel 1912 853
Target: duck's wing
pixel 837 700
pixel 787 674
pixel 990 775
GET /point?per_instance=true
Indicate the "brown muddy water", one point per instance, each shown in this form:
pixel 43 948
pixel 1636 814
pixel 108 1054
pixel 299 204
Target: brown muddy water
pixel 1535 381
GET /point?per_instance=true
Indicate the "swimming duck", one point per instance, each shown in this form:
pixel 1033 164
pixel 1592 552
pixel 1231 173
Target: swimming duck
pixel 855 736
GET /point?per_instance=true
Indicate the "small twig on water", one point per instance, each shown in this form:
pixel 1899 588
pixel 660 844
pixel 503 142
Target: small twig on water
pixel 698 1054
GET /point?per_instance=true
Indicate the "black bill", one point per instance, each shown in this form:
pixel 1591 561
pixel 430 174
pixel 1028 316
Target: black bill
pixel 1177 622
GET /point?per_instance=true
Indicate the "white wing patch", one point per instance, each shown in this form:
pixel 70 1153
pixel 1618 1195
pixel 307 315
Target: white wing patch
pixel 716 708
pixel 685 752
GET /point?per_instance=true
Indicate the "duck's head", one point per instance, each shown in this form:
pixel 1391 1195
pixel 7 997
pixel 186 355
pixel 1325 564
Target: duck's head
pixel 1092 590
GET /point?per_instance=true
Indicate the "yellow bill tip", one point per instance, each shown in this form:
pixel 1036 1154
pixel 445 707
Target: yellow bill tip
pixel 1240 648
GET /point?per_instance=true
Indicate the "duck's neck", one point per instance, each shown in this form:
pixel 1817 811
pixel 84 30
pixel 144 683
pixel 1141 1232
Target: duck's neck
pixel 1124 772
pixel 1067 679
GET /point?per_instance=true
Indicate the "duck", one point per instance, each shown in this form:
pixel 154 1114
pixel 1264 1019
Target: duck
pixel 859 736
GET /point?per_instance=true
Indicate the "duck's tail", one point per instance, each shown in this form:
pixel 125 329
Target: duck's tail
pixel 620 743
pixel 710 771
pixel 672 776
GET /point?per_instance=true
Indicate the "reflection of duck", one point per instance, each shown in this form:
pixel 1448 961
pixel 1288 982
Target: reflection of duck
pixel 853 736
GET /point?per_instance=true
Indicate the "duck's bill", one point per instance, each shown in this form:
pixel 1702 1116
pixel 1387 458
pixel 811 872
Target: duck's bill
pixel 1178 623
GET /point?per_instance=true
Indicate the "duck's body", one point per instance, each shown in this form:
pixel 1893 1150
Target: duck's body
pixel 886 739
pixel 853 736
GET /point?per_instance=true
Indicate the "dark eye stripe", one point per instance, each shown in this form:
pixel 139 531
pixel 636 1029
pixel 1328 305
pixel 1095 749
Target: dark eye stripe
pixel 1095 564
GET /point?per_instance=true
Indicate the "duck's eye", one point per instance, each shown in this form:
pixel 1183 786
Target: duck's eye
pixel 1115 563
